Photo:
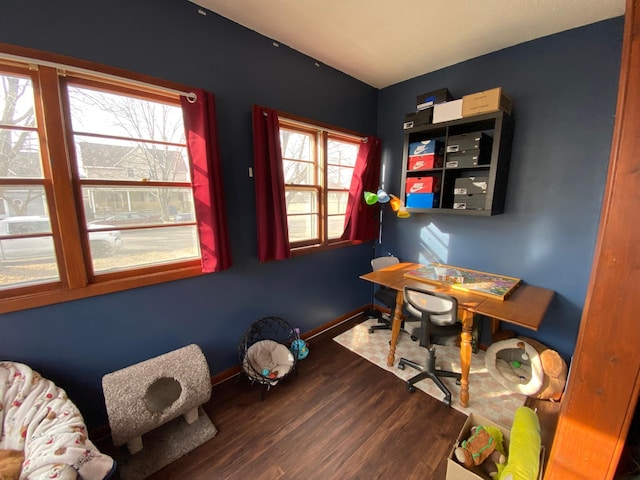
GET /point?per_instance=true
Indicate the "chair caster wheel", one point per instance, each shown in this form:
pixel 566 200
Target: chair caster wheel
pixel 401 366
pixel 458 381
pixel 410 388
pixel 414 338
pixel 371 330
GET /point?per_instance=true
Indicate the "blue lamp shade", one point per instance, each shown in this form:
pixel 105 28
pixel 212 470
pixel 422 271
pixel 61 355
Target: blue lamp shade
pixel 383 197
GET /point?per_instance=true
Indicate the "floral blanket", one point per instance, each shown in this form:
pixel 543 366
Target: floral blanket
pixel 38 418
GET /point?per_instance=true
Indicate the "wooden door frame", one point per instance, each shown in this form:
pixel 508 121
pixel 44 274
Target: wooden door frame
pixel 603 386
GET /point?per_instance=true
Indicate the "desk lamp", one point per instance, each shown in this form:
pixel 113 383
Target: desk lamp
pixel 381 196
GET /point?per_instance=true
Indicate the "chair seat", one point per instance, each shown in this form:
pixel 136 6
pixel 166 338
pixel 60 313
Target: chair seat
pixel 438 319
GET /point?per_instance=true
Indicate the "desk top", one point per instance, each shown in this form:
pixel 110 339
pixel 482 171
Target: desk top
pixel 525 307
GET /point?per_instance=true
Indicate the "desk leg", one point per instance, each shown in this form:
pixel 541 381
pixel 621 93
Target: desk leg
pixel 395 327
pixel 465 354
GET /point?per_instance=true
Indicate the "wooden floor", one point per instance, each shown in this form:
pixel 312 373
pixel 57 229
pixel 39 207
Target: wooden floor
pixel 341 417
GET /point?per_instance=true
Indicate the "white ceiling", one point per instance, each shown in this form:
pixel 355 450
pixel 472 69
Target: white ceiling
pixel 382 42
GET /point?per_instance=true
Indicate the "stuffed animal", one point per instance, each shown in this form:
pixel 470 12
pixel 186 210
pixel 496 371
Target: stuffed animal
pixel 483 448
pixel 10 464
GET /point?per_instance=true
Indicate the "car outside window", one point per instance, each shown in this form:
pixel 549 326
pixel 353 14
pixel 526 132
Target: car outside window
pixel 123 214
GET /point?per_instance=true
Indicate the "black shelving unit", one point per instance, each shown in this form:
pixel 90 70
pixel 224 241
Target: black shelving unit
pixel 498 126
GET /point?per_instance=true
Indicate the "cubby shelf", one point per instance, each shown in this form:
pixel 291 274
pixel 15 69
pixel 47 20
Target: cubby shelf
pixel 497 125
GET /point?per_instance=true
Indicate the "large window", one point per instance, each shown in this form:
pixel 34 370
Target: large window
pixel 95 186
pixel 318 165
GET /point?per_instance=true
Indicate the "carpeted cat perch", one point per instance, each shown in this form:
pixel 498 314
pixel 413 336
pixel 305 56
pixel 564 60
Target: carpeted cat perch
pixel 152 394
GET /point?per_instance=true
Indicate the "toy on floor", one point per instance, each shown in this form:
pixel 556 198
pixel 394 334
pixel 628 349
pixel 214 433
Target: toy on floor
pixel 524 447
pixel 483 448
pixel 299 349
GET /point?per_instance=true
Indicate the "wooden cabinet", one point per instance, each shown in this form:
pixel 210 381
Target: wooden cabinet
pixel 492 167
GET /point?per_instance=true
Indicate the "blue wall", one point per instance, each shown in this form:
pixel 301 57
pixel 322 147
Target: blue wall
pixel 563 88
pixel 564 91
pixel 76 343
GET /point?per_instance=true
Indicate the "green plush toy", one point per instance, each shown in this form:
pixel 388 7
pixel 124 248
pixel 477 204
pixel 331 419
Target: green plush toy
pixel 524 447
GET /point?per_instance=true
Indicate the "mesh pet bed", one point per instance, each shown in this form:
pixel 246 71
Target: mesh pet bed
pixel 265 351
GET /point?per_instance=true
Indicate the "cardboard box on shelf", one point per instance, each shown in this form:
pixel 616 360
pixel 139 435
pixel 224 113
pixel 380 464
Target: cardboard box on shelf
pixel 466 159
pixel 428 184
pixel 427 100
pixel 417 119
pixel 425 162
pixel 422 200
pixel 486 101
pixel 426 147
pixel 468 141
pixel 444 112
pixel 476 201
pixel 470 185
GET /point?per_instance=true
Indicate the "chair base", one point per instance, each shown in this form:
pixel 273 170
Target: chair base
pixel 430 371
pixel 385 323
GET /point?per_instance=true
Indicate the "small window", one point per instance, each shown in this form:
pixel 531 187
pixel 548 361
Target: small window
pixel 318 165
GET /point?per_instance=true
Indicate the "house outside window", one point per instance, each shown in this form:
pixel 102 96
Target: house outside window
pixel 318 165
pixel 95 196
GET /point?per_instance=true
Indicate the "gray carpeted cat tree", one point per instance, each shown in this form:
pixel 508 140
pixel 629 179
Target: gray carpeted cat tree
pixel 149 394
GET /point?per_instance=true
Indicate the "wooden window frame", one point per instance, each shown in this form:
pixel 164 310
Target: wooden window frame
pixel 321 134
pixel 76 277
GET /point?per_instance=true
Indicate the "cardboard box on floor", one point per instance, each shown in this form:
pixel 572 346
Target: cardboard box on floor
pixel 456 471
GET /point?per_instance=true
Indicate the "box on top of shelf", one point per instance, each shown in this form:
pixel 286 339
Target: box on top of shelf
pixel 428 184
pixel 444 112
pixel 425 147
pixel 430 99
pixel 470 185
pixel 485 102
pixel 425 162
pixel 415 119
pixel 422 200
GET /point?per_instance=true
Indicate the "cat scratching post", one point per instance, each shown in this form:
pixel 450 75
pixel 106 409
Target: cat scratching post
pixel 146 395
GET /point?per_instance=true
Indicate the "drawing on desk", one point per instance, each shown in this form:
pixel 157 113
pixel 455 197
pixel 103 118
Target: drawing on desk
pixel 482 283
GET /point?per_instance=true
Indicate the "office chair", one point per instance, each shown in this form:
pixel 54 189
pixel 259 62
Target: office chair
pixel 438 315
pixel 385 295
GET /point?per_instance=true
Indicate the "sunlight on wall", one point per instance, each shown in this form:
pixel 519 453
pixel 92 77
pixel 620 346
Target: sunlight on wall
pixel 541 245
pixel 434 245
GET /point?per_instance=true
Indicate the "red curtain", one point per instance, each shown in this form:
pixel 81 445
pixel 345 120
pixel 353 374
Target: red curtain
pixel 361 220
pixel 202 145
pixel 271 210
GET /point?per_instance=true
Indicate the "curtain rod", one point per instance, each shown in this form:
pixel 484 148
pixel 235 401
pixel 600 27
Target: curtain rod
pixel 191 96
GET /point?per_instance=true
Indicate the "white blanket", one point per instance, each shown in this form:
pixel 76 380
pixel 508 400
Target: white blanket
pixel 38 418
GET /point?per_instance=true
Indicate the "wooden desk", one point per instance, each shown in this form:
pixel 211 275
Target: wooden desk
pixel 525 307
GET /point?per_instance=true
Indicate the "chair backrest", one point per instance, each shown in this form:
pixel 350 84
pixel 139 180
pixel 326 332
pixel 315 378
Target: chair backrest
pixel 441 309
pixel 382 262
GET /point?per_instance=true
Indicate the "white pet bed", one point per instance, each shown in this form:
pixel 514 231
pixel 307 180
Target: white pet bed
pixel 516 365
pixel 268 356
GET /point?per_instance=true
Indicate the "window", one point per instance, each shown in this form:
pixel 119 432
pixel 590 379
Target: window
pixel 318 165
pixel 95 186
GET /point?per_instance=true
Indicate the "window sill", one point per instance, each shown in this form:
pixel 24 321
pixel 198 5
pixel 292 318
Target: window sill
pixel 306 250
pixel 60 295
